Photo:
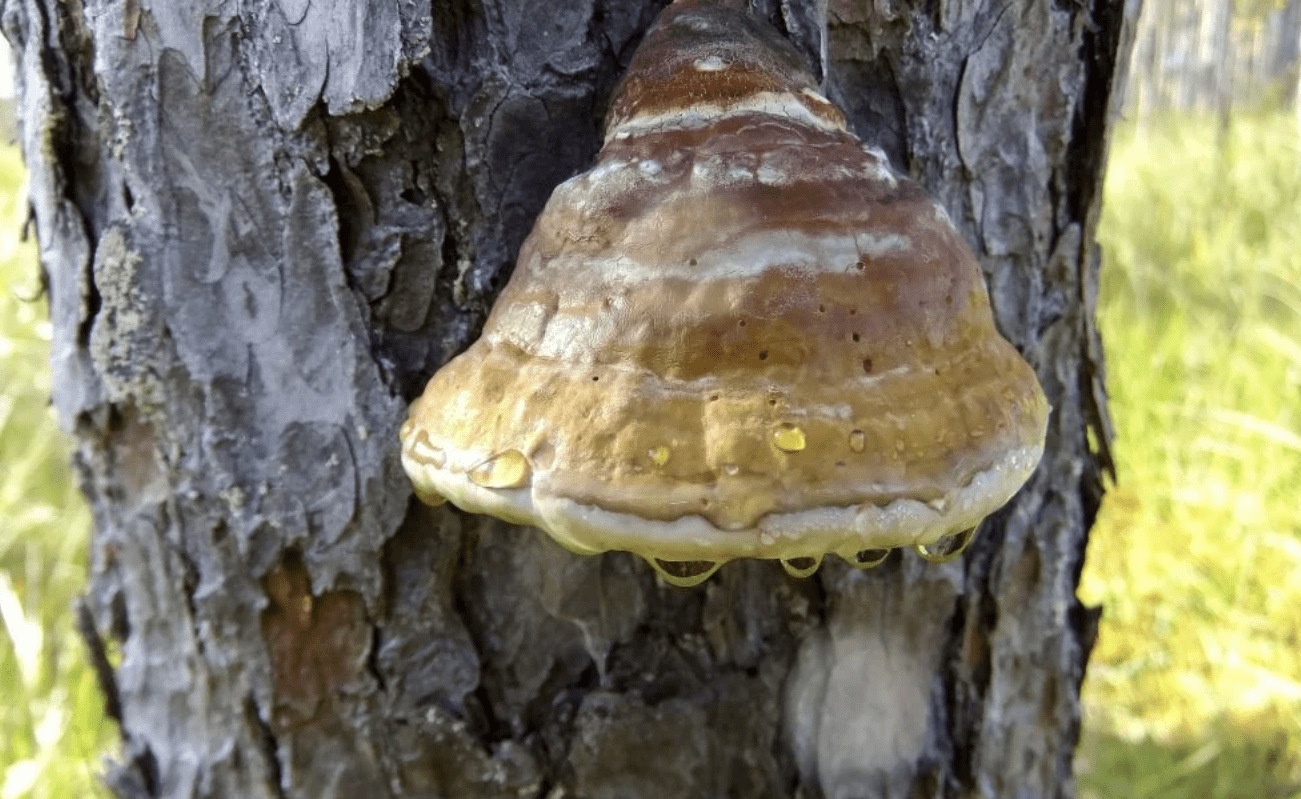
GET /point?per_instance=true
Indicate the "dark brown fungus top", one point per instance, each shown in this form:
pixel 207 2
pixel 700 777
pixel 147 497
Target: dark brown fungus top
pixel 739 334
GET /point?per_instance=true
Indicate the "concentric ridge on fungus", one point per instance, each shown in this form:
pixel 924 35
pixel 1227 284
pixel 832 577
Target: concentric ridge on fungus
pixel 738 335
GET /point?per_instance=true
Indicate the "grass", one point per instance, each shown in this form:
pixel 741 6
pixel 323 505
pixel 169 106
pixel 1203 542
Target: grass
pixel 1195 686
pixel 1194 689
pixel 52 726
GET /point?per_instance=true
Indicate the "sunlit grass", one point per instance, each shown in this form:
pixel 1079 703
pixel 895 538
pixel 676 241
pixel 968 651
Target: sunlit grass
pixel 1194 689
pixel 52 727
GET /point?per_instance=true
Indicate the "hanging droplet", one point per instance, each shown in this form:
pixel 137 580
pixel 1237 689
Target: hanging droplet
pixel 802 566
pixel 658 455
pixel 685 573
pixel 421 451
pixel 431 498
pixel 731 469
pixel 947 548
pixel 510 469
pixel 857 440
pixel 867 558
pixel 788 438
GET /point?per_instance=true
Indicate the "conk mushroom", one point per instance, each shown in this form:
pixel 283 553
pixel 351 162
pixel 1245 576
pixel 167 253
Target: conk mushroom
pixel 739 335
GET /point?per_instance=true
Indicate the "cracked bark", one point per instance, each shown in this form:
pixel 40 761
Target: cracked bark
pixel 263 226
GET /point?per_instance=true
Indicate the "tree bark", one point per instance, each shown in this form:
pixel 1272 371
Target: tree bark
pixel 264 225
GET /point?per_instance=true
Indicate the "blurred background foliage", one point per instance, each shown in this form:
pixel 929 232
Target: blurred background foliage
pixel 1194 688
pixel 52 726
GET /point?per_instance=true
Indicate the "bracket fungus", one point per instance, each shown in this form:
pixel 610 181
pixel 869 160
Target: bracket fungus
pixel 739 335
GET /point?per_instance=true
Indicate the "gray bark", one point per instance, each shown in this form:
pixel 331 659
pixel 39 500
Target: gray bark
pixel 263 225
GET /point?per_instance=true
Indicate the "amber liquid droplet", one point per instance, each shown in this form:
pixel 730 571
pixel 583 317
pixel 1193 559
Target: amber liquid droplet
pixel 867 558
pixel 857 440
pixel 508 470
pixel 801 567
pixel 947 548
pixel 685 573
pixel 659 455
pixel 788 438
pixel 431 498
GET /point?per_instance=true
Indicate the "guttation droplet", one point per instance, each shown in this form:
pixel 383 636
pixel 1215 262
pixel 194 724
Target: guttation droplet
pixel 659 455
pixel 867 558
pixel 788 438
pixel 947 548
pixel 801 566
pixel 430 497
pixel 857 440
pixel 510 469
pixel 685 573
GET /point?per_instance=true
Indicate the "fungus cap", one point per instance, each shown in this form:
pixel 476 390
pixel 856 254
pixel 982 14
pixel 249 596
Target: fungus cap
pixel 738 335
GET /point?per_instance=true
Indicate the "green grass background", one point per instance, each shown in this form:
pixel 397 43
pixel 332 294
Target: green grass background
pixel 1194 689
pixel 52 726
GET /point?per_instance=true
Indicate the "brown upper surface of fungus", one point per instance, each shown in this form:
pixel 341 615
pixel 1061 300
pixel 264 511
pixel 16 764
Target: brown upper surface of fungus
pixel 740 334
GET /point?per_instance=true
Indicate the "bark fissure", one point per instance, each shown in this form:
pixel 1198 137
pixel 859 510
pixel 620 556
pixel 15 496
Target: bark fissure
pixel 97 652
pixel 270 747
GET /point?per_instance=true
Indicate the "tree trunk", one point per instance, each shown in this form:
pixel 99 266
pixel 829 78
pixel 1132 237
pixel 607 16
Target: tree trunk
pixel 264 225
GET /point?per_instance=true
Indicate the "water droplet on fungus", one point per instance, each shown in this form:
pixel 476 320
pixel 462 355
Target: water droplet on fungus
pixel 685 573
pixel 510 469
pixel 867 558
pixel 802 566
pixel 947 548
pixel 788 438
